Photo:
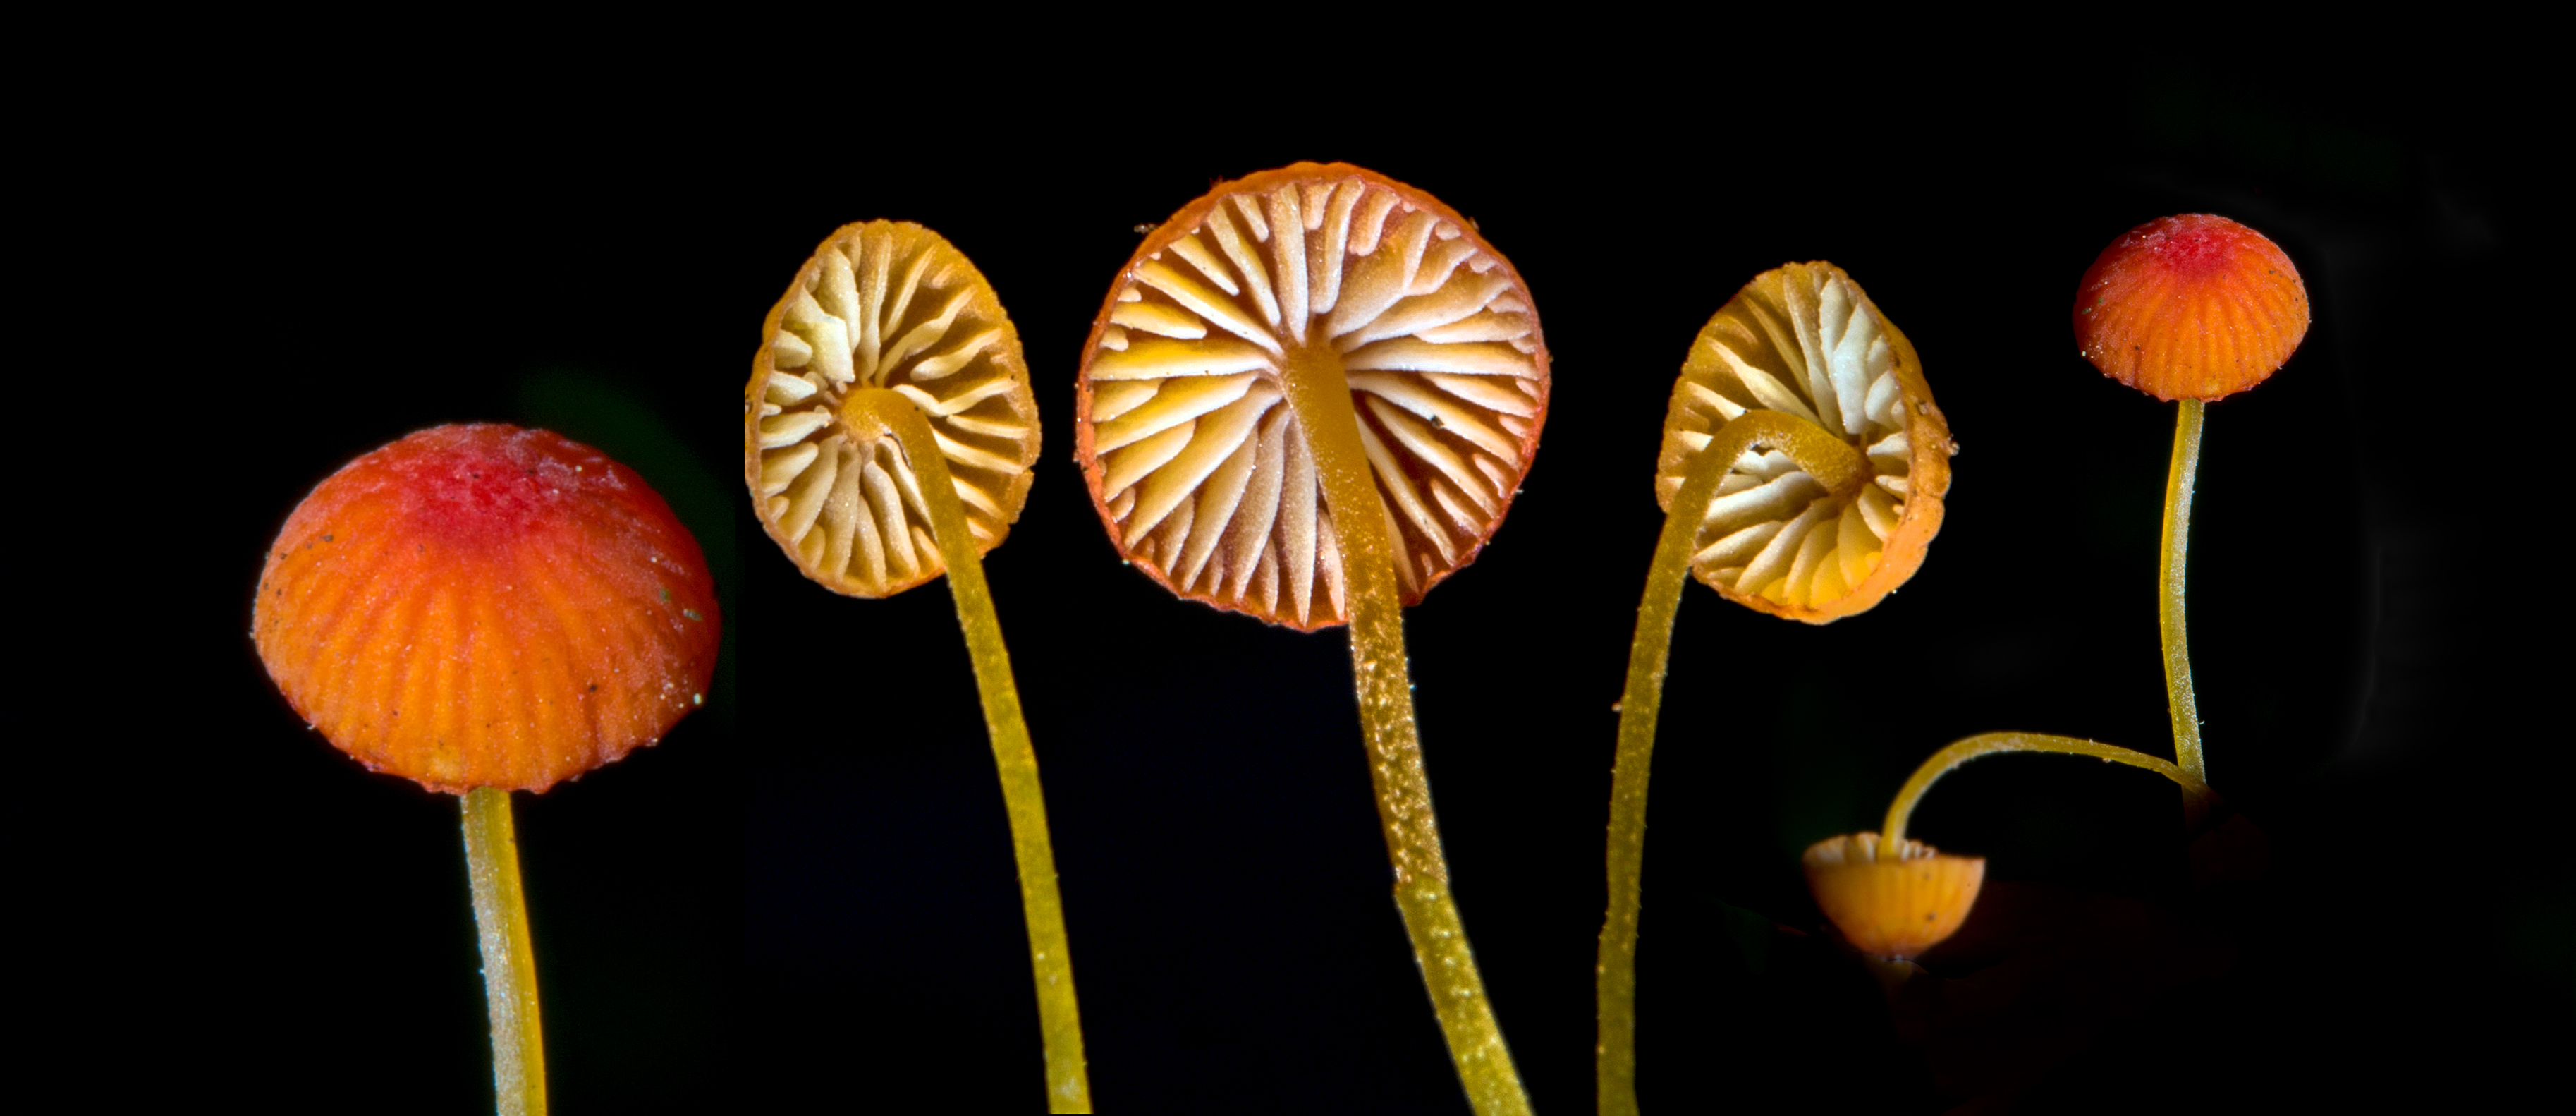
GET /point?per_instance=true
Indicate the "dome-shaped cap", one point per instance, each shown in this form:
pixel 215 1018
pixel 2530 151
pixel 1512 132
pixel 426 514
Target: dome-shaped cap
pixel 891 305
pixel 1193 459
pixel 1803 340
pixel 1896 908
pixel 486 606
pixel 2191 307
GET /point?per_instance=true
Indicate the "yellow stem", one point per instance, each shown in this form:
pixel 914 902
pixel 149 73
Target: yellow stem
pixel 2169 603
pixel 1892 836
pixel 509 959
pixel 1059 1016
pixel 1834 463
pixel 1319 395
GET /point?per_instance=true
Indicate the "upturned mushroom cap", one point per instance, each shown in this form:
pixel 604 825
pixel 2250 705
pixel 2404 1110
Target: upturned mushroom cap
pixel 1891 908
pixel 1804 340
pixel 485 606
pixel 885 304
pixel 2191 307
pixel 1194 461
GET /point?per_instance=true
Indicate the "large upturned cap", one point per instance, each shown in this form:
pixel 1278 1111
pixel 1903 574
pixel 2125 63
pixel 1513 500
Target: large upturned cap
pixel 486 606
pixel 885 304
pixel 1192 457
pixel 1803 340
pixel 2190 307
pixel 1891 908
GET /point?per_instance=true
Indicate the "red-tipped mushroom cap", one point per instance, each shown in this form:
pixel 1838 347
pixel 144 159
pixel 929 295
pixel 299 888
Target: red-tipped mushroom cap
pixel 485 606
pixel 1196 464
pixel 2190 307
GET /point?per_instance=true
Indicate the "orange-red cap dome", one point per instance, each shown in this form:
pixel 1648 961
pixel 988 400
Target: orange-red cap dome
pixel 2190 307
pixel 486 606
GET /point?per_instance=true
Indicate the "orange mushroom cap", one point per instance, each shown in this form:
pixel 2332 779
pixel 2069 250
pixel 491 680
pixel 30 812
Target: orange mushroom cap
pixel 486 606
pixel 891 305
pixel 1805 340
pixel 1897 908
pixel 1194 461
pixel 2190 307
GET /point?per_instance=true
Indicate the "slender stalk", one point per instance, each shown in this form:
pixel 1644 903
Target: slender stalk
pixel 509 959
pixel 1614 975
pixel 2169 602
pixel 1059 1015
pixel 1319 395
pixel 1892 835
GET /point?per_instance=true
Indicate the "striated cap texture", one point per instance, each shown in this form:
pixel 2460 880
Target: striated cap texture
pixel 2190 307
pixel 1891 908
pixel 486 606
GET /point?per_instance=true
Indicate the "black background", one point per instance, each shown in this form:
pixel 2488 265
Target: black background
pixel 804 895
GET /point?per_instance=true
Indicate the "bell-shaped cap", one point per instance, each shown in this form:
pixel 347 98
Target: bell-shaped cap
pixel 1803 340
pixel 1199 470
pixel 486 606
pixel 2190 307
pixel 889 305
pixel 1896 908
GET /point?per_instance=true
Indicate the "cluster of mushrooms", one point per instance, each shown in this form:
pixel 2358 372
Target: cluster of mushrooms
pixel 1310 397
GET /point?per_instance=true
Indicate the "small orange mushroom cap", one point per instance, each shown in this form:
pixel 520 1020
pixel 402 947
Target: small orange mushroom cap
pixel 2190 307
pixel 486 606
pixel 1896 908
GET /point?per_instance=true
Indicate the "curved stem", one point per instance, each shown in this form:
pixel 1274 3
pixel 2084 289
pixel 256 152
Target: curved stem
pixel 1834 463
pixel 1892 836
pixel 1319 395
pixel 1059 1017
pixel 2169 603
pixel 509 958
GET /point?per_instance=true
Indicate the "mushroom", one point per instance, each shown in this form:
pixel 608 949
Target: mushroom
pixel 1832 485
pixel 1803 468
pixel 481 609
pixel 1892 898
pixel 888 434
pixel 1310 396
pixel 1891 903
pixel 2195 308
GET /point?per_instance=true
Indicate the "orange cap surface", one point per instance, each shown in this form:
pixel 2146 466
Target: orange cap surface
pixel 486 606
pixel 2190 307
pixel 1891 908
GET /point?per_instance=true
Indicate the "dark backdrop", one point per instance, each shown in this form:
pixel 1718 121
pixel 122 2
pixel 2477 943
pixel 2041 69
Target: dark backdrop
pixel 805 893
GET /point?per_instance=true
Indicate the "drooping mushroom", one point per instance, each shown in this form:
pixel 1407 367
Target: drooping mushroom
pixel 481 609
pixel 888 434
pixel 1892 898
pixel 2196 308
pixel 1310 396
pixel 1803 468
